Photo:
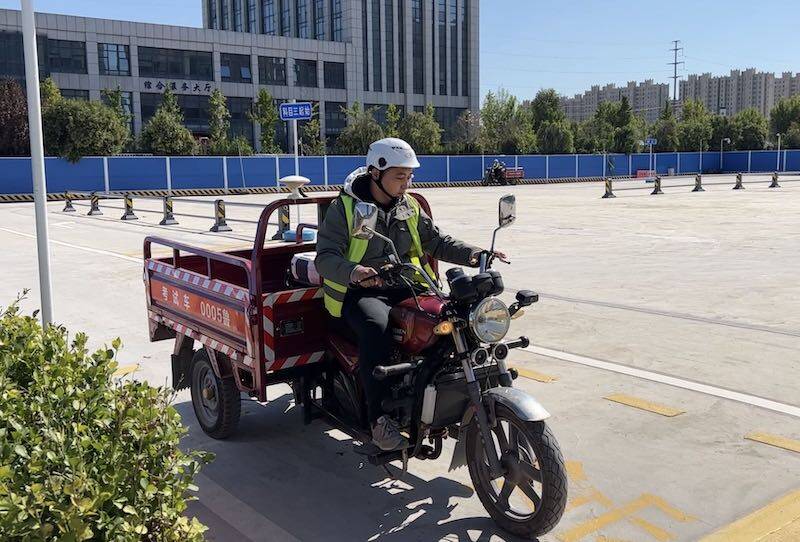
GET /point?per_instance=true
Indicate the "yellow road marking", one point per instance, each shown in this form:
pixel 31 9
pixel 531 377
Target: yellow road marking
pixel 778 521
pixel 656 532
pixel 533 375
pixel 594 496
pixel 125 370
pixel 643 404
pixel 623 512
pixel 575 471
pixel 775 440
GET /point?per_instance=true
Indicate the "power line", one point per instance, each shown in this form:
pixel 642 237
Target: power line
pixel 675 64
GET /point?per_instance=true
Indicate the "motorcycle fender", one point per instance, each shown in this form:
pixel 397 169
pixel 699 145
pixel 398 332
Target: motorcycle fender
pixel 523 405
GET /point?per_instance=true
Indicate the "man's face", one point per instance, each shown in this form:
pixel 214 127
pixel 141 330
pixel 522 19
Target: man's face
pixel 396 180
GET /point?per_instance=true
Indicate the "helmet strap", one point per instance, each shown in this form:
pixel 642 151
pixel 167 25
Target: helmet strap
pixel 379 182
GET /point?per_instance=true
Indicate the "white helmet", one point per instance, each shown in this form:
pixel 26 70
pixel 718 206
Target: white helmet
pixel 391 152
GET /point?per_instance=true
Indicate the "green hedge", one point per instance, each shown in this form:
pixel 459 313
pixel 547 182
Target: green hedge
pixel 83 457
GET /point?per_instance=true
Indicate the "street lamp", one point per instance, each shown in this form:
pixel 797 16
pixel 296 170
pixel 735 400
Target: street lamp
pixel 778 167
pixel 722 142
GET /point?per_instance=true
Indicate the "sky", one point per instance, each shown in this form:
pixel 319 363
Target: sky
pixel 570 45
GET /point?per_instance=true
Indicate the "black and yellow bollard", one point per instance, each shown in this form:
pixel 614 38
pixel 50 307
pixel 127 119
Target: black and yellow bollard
pixel 738 185
pixel 283 222
pixel 169 218
pixel 95 205
pixel 657 187
pixel 698 184
pixel 68 208
pixel 128 214
pixel 773 184
pixel 219 217
pixel 609 189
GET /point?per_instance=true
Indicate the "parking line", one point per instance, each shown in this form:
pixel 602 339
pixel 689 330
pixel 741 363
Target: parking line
pixel 79 247
pixel 769 404
pixel 643 404
pixel 777 521
pixel 775 440
pixel 534 375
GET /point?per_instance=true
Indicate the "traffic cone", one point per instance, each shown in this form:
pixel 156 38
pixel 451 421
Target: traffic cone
pixel 698 184
pixel 128 214
pixel 169 218
pixel 774 183
pixel 219 217
pixel 738 185
pixel 657 187
pixel 609 189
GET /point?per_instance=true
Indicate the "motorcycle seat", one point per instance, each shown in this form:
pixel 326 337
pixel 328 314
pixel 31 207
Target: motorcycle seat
pixel 303 269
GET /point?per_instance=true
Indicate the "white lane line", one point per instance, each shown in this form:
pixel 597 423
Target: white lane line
pixel 699 387
pixel 79 247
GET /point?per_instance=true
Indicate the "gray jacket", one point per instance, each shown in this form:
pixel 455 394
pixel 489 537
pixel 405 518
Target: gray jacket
pixel 333 239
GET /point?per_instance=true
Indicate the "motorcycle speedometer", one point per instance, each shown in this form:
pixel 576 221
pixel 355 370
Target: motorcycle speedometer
pixel 490 320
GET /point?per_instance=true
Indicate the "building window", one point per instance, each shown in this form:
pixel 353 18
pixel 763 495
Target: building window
pixel 286 17
pixel 238 16
pixel 418 46
pixel 235 68
pixel 389 11
pixel 335 121
pixel 114 59
pixel 271 70
pixel 240 123
pixel 452 14
pixel 334 74
pixel 377 68
pixel 433 47
pixel 365 43
pixel 73 94
pixel 301 16
pixel 252 21
pixel 175 64
pixel 66 56
pixel 226 14
pixel 268 17
pixel 442 47
pixel 465 47
pixel 193 107
pixel 319 19
pixel 305 73
pixel 12 62
pixel 336 20
pixel 213 20
pixel 401 43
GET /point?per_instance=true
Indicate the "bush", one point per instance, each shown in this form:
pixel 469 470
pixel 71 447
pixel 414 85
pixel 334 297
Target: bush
pixel 82 457
pixel 76 128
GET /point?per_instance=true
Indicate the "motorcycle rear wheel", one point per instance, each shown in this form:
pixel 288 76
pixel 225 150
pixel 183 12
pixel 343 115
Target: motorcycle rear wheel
pixel 529 500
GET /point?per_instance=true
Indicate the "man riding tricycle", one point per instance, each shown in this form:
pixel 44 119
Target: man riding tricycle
pixel 363 330
pixel 499 173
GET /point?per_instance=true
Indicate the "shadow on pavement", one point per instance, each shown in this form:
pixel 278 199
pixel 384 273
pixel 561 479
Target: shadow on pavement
pixel 306 483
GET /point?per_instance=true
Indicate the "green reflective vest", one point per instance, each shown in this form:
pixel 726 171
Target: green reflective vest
pixel 334 292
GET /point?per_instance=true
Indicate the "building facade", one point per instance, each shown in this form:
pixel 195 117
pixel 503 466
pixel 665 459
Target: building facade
pixel 647 99
pixel 331 52
pixel 741 89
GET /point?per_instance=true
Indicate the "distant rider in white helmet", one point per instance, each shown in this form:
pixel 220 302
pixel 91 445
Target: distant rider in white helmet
pixel 362 302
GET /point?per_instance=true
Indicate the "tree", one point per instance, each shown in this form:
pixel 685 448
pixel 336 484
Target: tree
pixel 76 128
pixel 546 107
pixel 421 131
pixel 164 133
pixel 362 129
pixel 752 127
pixel 466 134
pixel 665 130
pixel 311 139
pixel 694 129
pixel 219 124
pixel 14 138
pixel 722 128
pixel 791 140
pixel 555 138
pixel 265 113
pixel 393 118
pixel 505 126
pixel 783 118
pixel 48 92
pixel 113 99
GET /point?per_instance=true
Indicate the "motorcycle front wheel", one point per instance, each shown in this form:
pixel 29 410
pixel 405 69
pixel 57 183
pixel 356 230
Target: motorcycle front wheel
pixel 529 499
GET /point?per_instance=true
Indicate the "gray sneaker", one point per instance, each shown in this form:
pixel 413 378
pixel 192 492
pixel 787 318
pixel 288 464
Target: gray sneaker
pixel 386 435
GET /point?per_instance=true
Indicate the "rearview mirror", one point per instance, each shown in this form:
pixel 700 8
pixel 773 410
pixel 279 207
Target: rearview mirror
pixel 365 218
pixel 507 210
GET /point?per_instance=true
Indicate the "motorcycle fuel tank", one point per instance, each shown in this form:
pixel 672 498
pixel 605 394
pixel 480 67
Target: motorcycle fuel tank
pixel 413 329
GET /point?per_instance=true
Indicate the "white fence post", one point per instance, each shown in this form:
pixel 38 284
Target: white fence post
pixel 483 164
pixel 325 168
pixel 749 157
pixel 576 167
pixel 105 174
pixel 630 165
pixel 655 164
pixel 169 175
pixel 516 160
pixel 448 169
pixel 701 163
pixel 784 161
pixel 277 170
pixel 547 166
pixel 679 164
pixel 225 173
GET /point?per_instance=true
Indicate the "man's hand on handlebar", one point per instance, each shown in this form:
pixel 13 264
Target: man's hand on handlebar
pixel 366 277
pixel 490 256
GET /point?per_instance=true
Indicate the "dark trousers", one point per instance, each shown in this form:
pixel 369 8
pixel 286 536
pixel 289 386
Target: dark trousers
pixel 366 312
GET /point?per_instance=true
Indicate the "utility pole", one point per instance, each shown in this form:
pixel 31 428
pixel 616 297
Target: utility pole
pixel 675 64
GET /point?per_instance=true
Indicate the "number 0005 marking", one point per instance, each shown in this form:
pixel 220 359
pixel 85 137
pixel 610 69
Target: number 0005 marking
pixel 210 311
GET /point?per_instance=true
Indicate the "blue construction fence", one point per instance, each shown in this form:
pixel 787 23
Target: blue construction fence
pixel 121 173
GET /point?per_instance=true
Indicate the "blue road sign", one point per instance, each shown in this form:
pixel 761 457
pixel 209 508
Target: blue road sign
pixel 651 141
pixel 295 111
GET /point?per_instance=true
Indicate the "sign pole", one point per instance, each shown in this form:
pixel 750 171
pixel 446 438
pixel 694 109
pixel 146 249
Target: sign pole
pixel 37 160
pixel 296 151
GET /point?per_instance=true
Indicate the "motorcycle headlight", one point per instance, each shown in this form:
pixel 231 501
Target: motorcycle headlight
pixel 490 320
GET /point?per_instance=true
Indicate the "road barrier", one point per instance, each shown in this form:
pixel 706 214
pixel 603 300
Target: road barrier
pixel 697 186
pixel 656 187
pixel 128 214
pixel 169 217
pixel 774 183
pixel 609 189
pixel 68 208
pixel 95 210
pixel 219 217
pixel 738 185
